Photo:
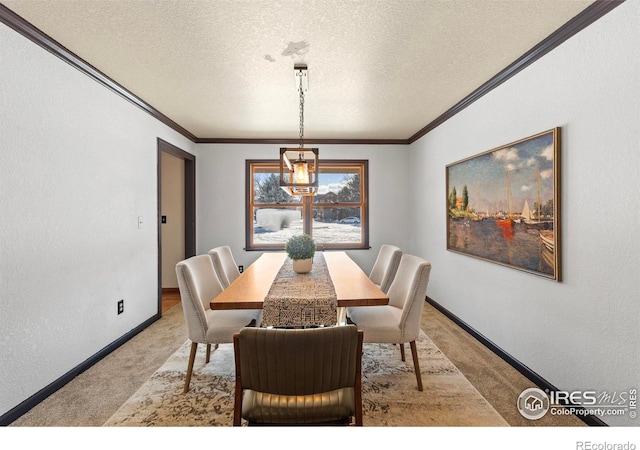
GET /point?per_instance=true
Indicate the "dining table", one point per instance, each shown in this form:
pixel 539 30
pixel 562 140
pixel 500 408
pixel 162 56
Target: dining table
pixel 352 285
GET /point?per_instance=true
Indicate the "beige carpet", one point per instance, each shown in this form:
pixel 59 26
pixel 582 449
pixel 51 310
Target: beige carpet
pixel 390 395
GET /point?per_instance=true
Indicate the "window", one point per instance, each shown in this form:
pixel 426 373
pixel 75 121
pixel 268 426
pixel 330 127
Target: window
pixel 336 217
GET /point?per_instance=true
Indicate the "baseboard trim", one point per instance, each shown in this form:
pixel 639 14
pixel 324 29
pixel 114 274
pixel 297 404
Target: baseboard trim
pixel 45 392
pixel 19 410
pixel 539 381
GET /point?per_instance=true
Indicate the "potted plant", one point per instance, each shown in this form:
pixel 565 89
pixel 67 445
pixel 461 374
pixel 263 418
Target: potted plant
pixel 301 249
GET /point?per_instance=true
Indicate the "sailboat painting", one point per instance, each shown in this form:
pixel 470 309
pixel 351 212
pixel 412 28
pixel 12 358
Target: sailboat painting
pixel 503 205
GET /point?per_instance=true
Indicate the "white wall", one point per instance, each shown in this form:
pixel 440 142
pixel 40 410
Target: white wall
pixel 77 167
pixel 220 195
pixel 581 333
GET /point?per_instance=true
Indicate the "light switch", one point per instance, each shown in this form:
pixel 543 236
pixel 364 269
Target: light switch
pixel 140 222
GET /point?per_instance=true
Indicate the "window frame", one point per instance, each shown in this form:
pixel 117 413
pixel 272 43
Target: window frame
pixel 307 204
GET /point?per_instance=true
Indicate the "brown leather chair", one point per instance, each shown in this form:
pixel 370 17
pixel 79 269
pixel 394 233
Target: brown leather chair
pixel 304 377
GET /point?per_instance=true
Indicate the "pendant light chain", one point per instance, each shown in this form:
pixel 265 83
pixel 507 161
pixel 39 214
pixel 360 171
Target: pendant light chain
pixel 299 175
pixel 301 112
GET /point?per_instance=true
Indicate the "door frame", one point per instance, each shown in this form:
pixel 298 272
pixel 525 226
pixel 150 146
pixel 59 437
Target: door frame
pixel 189 205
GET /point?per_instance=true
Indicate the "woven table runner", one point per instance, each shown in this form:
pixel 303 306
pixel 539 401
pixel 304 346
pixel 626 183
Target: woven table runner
pixel 301 299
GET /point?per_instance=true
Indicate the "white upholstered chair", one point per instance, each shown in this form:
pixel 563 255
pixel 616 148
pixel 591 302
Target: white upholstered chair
pixel 224 264
pixel 385 267
pixel 399 321
pixel 198 285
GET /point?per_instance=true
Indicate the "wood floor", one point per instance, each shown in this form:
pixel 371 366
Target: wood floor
pixel 170 298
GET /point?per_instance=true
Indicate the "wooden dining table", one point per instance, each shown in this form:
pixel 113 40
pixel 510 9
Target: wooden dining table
pixel 352 286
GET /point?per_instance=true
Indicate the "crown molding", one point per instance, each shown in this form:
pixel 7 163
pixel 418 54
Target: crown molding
pixel 297 141
pixel 589 15
pixel 17 23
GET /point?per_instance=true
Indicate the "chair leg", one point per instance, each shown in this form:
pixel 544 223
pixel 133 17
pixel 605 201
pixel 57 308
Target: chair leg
pixel 192 358
pixel 237 391
pixel 208 358
pixel 402 352
pixel 416 365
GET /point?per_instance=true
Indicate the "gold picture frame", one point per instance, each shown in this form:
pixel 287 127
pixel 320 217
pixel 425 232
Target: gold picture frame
pixel 503 205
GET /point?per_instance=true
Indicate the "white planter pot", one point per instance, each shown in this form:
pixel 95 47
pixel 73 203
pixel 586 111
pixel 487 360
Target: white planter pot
pixel 302 265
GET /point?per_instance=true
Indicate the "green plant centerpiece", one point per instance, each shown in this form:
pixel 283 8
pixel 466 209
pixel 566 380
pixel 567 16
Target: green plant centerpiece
pixel 301 249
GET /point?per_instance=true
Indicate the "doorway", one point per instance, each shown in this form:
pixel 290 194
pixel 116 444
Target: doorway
pixel 176 215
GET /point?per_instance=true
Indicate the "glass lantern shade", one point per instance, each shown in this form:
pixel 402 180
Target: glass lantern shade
pixel 299 171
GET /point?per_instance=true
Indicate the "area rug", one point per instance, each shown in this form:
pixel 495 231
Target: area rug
pixel 390 394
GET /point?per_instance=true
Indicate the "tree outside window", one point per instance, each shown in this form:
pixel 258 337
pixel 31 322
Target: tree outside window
pixel 336 217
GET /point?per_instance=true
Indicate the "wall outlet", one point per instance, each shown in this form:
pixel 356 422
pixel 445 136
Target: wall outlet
pixel 120 306
pixel 241 269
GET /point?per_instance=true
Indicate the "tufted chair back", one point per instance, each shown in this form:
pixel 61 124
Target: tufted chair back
pixel 198 284
pixel 385 267
pixel 399 321
pixel 224 264
pixel 408 292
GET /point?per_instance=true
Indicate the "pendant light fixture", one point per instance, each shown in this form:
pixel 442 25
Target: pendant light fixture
pixel 299 166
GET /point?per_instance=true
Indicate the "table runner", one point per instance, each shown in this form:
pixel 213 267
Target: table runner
pixel 296 300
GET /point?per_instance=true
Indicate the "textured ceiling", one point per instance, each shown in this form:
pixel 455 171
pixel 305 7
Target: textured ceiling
pixel 223 69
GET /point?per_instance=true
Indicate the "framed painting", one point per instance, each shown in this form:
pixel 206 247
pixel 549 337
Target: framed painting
pixel 503 205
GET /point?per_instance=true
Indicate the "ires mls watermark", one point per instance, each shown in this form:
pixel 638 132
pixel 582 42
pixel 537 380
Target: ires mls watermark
pixel 534 403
